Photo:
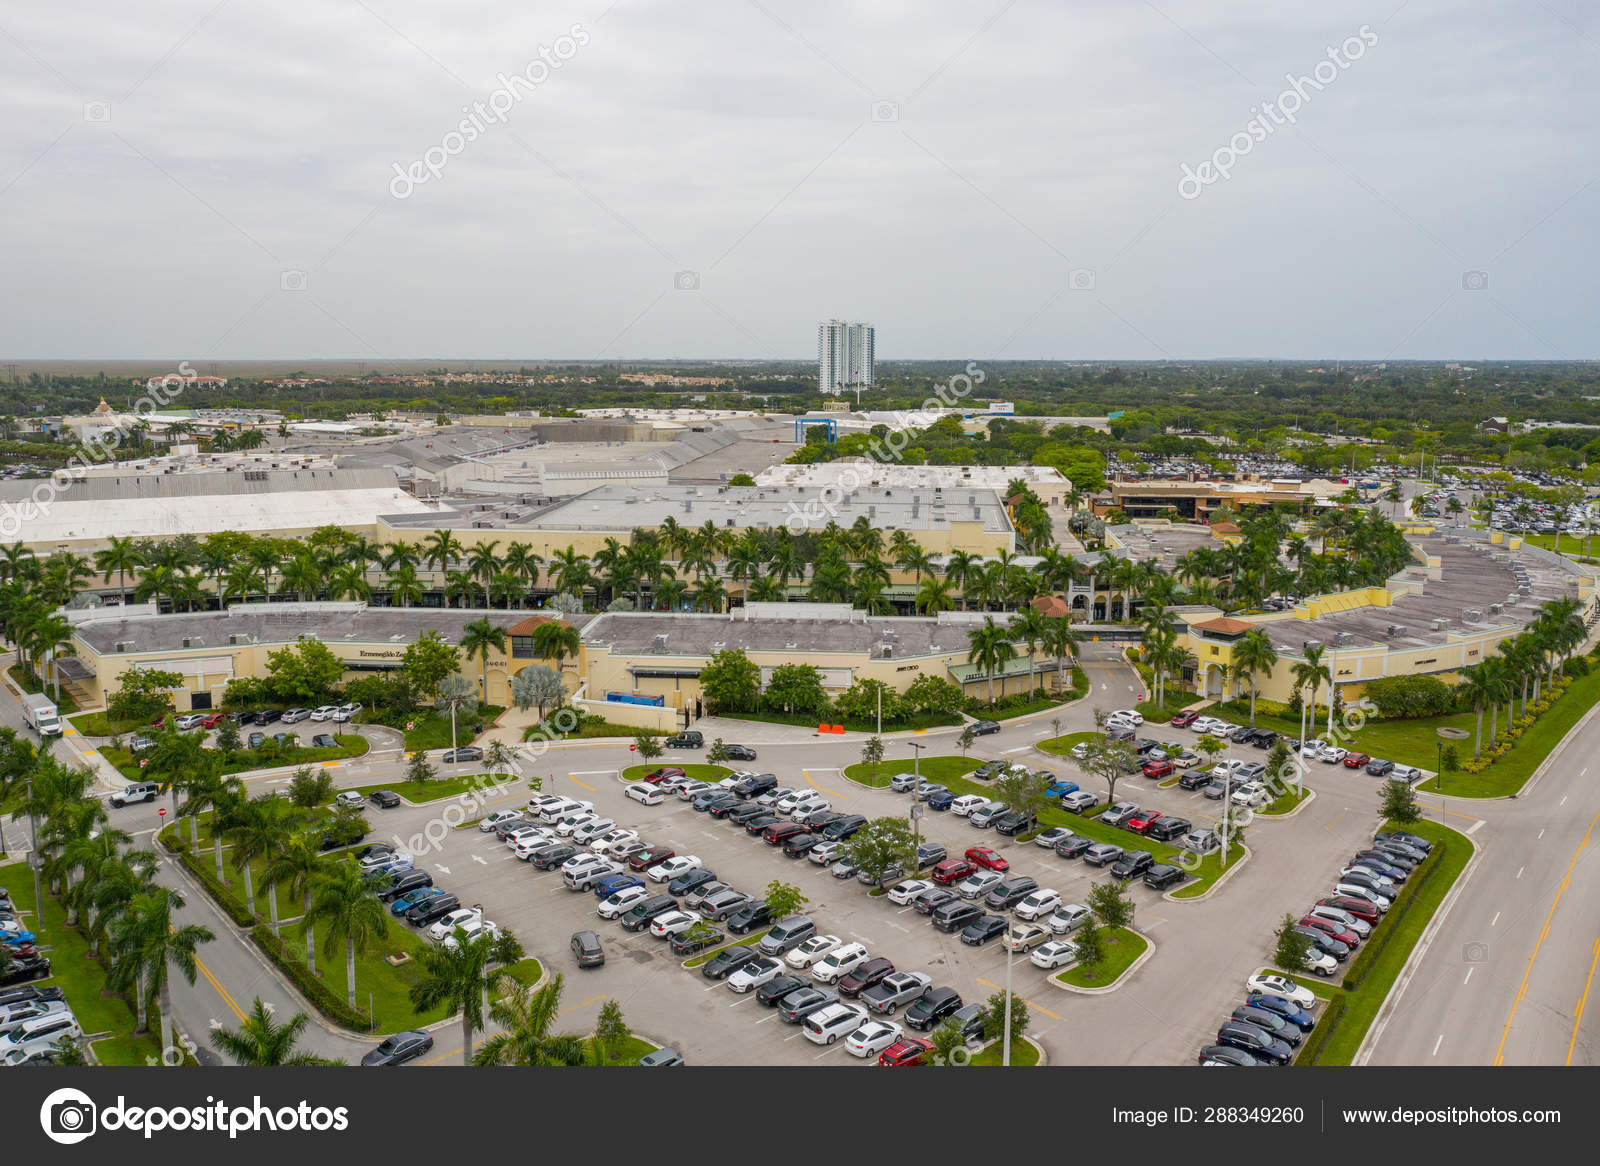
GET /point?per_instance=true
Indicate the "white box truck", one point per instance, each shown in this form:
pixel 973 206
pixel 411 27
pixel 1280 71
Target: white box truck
pixel 39 711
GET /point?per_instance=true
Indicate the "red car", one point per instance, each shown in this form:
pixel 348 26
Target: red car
pixel 1355 760
pixel 1159 767
pixel 654 856
pixel 1184 720
pixel 952 870
pixel 987 859
pixel 213 720
pixel 663 773
pixel 1328 927
pixel 906 1051
pixel 1141 822
pixel 1360 908
pixel 780 833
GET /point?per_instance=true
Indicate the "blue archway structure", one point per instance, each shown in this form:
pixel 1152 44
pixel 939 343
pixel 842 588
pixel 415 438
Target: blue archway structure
pixel 801 423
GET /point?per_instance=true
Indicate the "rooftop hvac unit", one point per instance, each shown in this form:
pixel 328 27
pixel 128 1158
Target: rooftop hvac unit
pixel 1471 615
pixel 1395 630
pixel 659 643
pixel 124 645
pixel 1340 639
pixel 1440 624
pixel 1310 644
pixel 886 650
pixel 1496 608
pixel 193 642
pixel 238 638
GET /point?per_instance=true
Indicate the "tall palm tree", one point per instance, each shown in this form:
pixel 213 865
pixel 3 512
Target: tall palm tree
pixel 1061 642
pixel 440 549
pixel 298 864
pixel 990 648
pixel 1311 673
pixel 1028 627
pixel 119 555
pixel 934 596
pixel 343 901
pixel 147 944
pixel 960 569
pixel 259 830
pixel 260 1041
pixel 526 1017
pixel 1253 654
pixel 1477 689
pixel 482 563
pixel 403 585
pixel 477 638
pixel 457 976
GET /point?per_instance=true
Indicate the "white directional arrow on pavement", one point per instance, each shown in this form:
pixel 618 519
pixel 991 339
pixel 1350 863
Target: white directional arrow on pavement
pixel 441 869
pixel 479 859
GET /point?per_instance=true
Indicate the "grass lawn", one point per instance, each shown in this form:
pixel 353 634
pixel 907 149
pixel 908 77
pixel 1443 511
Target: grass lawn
pixel 695 770
pixel 101 725
pixel 389 986
pixel 1287 801
pixel 941 770
pixel 1511 772
pixel 433 791
pixel 1362 1004
pixel 28 683
pixel 628 1053
pixel 1122 948
pixel 526 972
pixel 350 745
pixel 431 729
pixel 80 976
pixel 1569 544
pixel 1023 1054
pixel 949 771
pixel 1061 746
pixel 743 941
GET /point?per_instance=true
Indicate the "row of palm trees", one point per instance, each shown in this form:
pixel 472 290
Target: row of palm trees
pixel 109 888
pixel 1524 665
pixel 991 646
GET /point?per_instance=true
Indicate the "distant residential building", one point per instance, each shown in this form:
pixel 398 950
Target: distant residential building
pixel 844 356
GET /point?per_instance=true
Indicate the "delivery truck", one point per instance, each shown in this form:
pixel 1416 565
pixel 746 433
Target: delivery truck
pixel 39 711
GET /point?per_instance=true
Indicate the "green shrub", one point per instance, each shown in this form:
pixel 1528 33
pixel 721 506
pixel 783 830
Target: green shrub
pixel 1389 925
pixel 203 868
pixel 313 989
pixel 1408 697
pixel 1326 1023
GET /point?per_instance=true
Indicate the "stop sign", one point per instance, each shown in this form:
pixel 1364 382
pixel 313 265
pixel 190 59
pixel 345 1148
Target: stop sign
pixel 161 812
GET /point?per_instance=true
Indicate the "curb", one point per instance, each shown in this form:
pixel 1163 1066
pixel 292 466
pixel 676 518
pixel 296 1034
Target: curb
pixel 1311 796
pixel 1149 950
pixel 1216 886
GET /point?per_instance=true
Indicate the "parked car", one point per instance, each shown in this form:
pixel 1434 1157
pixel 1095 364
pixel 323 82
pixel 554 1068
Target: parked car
pixel 987 859
pixel 1118 814
pixel 893 990
pixel 1132 864
pixel 812 950
pixel 384 799
pixel 928 1009
pixel 1077 803
pixel 984 728
pixel 1102 854
pixel 587 949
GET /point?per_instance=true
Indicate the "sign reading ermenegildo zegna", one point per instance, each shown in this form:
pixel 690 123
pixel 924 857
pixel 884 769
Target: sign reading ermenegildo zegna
pixel 1269 115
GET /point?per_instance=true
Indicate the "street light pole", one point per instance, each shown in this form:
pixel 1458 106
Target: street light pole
pixel 33 855
pixel 1005 1048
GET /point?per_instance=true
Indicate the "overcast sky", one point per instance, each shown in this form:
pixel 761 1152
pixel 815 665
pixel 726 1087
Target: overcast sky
pixel 978 178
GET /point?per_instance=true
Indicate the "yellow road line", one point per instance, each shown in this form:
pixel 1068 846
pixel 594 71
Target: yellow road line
pixel 1029 1003
pixel 1522 989
pixel 584 784
pixel 221 991
pixel 815 786
pixel 1577 1018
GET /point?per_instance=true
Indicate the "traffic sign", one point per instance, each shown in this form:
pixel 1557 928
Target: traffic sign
pixel 161 811
pixel 917 811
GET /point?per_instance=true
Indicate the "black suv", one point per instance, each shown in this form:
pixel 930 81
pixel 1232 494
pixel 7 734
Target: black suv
pixel 691 739
pixel 1132 864
pixel 745 813
pixel 429 910
pixel 739 752
pixel 749 917
pixel 759 784
pixel 1011 892
pixel 928 1009
pixel 729 960
pixel 1195 779
pixel 1162 876
pixel 1013 823
pixel 1166 829
pixel 989 770
pixel 1264 739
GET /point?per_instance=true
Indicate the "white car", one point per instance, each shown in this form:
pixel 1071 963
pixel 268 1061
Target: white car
pixel 979 883
pixel 645 795
pixel 602 843
pixel 1020 937
pixel 672 923
pixel 1357 891
pixel 671 785
pixel 672 868
pixel 615 905
pixel 595 828
pixel 1132 716
pixel 1039 904
pixel 1321 962
pixel 1054 954
pixel 582 862
pixel 872 1038
pixel 538 803
pixel 1252 793
pixel 839 962
pixel 1344 919
pixel 690 790
pixel 1313 748
pixel 566 826
pixel 349 797
pixel 527 842
pixel 1207 725
pixel 496 818
pixel 1227 765
pixel 553 812
pixel 622 847
pixel 1067 918
pixel 325 713
pixel 1079 751
pixel 754 974
pixel 800 800
pixel 470 931
pixel 1272 984
pixel 1332 754
pixel 345 711
pixel 909 891
pixel 395 857
pixel 460 917
pixel 824 852
pixel 812 950
pixel 966 803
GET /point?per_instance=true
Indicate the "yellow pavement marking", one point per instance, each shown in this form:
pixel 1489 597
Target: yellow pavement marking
pixel 1522 989
pixel 563 1012
pixel 815 786
pixel 584 784
pixel 1577 1018
pixel 1029 1003
pixel 221 991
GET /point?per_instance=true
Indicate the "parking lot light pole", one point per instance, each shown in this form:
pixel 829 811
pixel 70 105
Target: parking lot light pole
pixel 1005 1048
pixel 916 761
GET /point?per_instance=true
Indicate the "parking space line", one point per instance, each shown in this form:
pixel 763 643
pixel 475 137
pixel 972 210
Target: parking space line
pixel 1031 1005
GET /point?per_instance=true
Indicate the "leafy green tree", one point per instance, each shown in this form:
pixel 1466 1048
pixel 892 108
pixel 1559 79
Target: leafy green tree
pixel 933 694
pixel 796 688
pixel 967 739
pixel 1109 902
pixel 949 1046
pixel 730 682
pixel 1089 941
pixel 306 672
pixel 1400 802
pixel 994 1017
pixel 1107 761
pixel 419 772
pixel 611 1032
pixel 228 740
pixel 880 845
pixel 784 899
pixel 428 661
pixel 741 480
pixel 1023 791
pixel 1291 951
pixel 860 702
pixel 310 788
pixel 142 693
pixel 872 752
pixel 646 745
pixel 717 751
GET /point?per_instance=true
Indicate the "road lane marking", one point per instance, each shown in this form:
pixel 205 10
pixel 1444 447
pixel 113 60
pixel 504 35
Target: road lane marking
pixel 1541 834
pixel 1476 826
pixel 1466 977
pixel 1522 989
pixel 1018 749
pixel 1495 920
pixel 1577 1017
pixel 823 788
pixel 1029 1003
pixel 1437 1043
pixel 1520 869
pixel 227 999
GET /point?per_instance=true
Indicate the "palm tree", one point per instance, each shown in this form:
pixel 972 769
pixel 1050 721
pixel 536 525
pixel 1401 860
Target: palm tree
pixel 259 830
pixel 526 1016
pixel 1496 684
pixel 1252 654
pixel 960 569
pixel 458 977
pixel 482 564
pixel 260 1041
pixel 1029 627
pixel 354 915
pixel 44 637
pixel 298 864
pixel 119 555
pixel 403 585
pixel 477 638
pixel 710 594
pixel 1310 673
pixel 147 944
pixel 1477 689
pixel 934 596
pixel 1060 641
pixel 440 549
pixel 990 648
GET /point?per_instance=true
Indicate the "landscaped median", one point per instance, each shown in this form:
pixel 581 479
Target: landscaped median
pixel 349 745
pixel 1024 1054
pixel 951 771
pixel 693 769
pixel 1124 948
pixel 743 941
pixel 439 788
pixel 1371 974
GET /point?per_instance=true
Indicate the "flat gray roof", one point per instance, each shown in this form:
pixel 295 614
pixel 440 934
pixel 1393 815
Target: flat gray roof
pixel 636 634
